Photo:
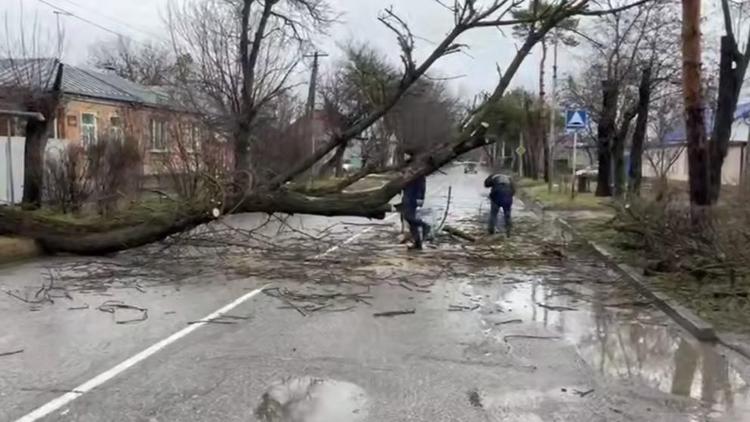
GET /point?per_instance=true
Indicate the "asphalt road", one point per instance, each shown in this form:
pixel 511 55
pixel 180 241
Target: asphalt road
pixel 529 328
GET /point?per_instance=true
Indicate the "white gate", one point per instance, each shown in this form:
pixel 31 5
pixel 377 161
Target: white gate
pixel 11 166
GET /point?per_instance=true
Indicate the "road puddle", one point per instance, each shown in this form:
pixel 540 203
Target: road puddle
pixel 616 332
pixel 308 399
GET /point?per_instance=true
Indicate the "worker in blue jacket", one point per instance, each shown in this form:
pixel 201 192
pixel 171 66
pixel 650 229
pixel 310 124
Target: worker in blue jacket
pixel 502 190
pixel 413 198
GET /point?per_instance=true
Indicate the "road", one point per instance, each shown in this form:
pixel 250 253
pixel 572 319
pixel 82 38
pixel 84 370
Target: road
pixel 275 320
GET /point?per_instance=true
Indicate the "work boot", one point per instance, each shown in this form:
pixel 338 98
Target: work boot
pixel 415 247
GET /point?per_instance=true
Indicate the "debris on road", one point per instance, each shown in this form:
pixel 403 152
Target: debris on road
pixel 511 336
pixel 512 321
pixel 222 319
pixel 78 308
pixel 459 233
pixel 583 393
pixel 475 399
pixel 14 352
pixel 394 313
pixel 462 308
pixel 555 307
pixel 112 306
pixel 306 303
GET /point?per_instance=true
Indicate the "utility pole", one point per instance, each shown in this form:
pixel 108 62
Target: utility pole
pixel 310 107
pixel 552 117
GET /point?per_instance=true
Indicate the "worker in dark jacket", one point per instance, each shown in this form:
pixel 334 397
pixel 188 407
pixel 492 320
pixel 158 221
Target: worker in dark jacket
pixel 502 190
pixel 413 198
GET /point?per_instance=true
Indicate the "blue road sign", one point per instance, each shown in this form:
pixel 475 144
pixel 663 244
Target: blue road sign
pixel 576 119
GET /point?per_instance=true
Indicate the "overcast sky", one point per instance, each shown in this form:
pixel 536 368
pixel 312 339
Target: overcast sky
pixel 142 19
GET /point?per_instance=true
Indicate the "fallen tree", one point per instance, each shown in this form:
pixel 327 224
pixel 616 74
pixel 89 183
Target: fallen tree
pixel 274 195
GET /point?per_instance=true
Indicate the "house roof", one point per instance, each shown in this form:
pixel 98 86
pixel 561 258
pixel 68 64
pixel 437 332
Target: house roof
pixel 40 73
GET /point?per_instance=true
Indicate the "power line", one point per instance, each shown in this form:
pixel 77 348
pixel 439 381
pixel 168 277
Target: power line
pixel 113 19
pixel 103 28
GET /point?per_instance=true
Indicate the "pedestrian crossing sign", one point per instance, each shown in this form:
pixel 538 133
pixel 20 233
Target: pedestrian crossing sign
pixel 576 119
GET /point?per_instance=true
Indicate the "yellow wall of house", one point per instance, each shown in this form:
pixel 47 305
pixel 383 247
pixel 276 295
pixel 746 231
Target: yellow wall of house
pixel 72 111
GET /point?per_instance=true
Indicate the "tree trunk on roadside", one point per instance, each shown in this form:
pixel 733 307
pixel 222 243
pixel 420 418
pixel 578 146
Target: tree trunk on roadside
pixel 618 151
pixel 639 135
pixel 695 125
pixel 37 133
pixel 35 145
pixel 605 133
pixel 729 86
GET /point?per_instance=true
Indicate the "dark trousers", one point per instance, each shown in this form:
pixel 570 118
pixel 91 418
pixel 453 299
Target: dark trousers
pixel 415 224
pixel 495 210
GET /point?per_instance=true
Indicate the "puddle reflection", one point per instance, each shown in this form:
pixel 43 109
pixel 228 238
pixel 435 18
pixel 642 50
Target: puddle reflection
pixel 628 340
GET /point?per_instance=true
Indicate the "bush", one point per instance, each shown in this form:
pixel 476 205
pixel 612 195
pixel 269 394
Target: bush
pixel 708 243
pixel 100 174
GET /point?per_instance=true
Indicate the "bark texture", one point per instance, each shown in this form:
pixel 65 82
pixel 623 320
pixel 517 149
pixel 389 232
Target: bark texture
pixel 605 134
pixel 639 134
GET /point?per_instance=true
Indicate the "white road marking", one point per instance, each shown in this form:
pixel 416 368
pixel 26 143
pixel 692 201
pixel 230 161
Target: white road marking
pixel 349 240
pixel 100 379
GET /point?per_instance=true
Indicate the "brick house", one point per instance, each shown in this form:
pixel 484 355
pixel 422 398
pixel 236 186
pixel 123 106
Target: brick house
pixel 102 107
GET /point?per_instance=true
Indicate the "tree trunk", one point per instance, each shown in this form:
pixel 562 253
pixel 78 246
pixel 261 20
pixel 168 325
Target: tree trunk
pixel 695 126
pixel 729 85
pixel 37 133
pixel 639 135
pixel 618 151
pixel 35 145
pixel 95 239
pixel 605 133
pixel 242 159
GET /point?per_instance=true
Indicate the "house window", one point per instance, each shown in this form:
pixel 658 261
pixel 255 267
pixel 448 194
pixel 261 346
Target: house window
pixel 158 135
pixel 115 128
pixel 88 128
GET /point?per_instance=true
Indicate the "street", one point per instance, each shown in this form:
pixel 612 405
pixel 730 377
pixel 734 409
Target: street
pixel 316 319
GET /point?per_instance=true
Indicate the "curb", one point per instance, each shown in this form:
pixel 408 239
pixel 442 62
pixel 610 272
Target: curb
pixel 17 248
pixel 701 329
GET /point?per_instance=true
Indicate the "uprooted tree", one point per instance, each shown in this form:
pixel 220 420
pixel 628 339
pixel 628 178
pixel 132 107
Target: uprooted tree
pixel 243 64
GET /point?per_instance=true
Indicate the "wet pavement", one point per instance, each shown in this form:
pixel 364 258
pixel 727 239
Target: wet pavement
pixel 354 328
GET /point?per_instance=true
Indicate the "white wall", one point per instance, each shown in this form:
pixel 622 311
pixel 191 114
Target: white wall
pixel 15 165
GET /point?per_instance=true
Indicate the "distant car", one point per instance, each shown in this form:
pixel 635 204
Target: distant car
pixel 470 168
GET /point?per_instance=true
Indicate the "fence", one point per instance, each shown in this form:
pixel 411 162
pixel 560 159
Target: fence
pixel 11 166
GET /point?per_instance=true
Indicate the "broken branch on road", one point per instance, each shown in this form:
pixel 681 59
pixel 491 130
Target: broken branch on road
pixel 14 352
pixel 111 307
pixel 555 307
pixel 394 313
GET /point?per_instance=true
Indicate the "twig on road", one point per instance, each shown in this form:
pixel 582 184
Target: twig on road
pixel 512 321
pixel 506 338
pixel 111 306
pixel 14 352
pixel 462 308
pixel 584 393
pixel 78 308
pixel 52 390
pixel 556 308
pixel 459 233
pixel 394 313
